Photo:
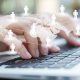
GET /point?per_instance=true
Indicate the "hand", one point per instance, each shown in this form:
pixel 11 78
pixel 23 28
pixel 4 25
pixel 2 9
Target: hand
pixel 35 46
pixel 68 22
pixel 19 47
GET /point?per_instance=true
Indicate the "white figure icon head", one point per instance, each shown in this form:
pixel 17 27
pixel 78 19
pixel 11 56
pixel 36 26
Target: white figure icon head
pixel 33 32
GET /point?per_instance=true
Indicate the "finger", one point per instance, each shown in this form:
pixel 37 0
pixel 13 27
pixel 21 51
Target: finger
pixel 19 27
pixel 42 35
pixel 32 45
pixel 42 48
pixel 22 51
pixel 54 49
pixel 75 34
pixel 16 28
pixel 3 47
pixel 67 22
pixel 50 47
pixel 33 49
pixel 21 38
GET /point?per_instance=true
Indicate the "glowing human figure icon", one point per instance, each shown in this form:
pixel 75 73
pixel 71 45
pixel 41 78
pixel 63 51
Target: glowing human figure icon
pixel 53 19
pixel 62 10
pixel 26 9
pixel 10 34
pixel 33 32
pixel 12 48
pixel 9 37
pixel 75 14
pixel 13 17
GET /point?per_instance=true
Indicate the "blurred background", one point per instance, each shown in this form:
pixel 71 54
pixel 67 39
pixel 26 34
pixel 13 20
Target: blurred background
pixel 38 6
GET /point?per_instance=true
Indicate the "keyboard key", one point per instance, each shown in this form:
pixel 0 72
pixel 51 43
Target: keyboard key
pixel 73 63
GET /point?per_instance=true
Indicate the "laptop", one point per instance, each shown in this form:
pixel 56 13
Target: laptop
pixel 66 63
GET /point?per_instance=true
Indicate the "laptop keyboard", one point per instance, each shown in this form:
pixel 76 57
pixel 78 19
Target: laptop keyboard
pixel 67 58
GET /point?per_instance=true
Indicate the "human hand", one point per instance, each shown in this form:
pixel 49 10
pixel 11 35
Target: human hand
pixel 19 47
pixel 36 46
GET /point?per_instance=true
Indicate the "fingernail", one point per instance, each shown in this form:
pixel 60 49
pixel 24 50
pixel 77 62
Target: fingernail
pixel 28 56
pixel 37 53
pixel 45 51
pixel 57 49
